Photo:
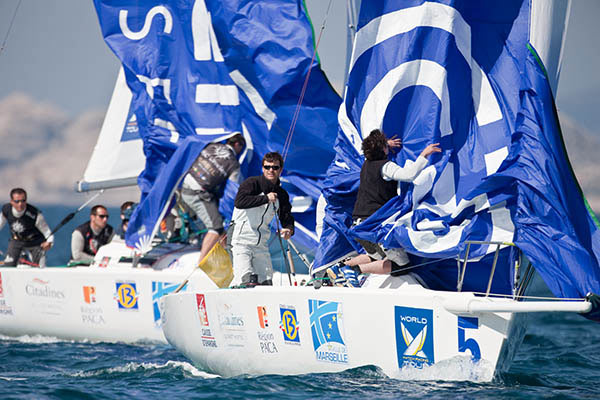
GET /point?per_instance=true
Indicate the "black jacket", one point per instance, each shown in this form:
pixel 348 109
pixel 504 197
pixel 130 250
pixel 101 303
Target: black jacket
pixel 253 193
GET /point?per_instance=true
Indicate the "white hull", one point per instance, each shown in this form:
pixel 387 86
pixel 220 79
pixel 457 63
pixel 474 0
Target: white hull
pixel 400 325
pixel 108 301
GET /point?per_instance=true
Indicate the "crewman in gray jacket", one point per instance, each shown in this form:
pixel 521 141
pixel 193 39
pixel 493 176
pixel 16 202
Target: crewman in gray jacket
pixel 214 166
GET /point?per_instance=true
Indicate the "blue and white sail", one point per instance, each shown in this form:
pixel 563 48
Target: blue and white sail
pixel 457 73
pixel 187 93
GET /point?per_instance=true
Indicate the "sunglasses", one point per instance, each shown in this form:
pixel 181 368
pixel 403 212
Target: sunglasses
pixel 19 201
pixel 273 167
pixel 102 216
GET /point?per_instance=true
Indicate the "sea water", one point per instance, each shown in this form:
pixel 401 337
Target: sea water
pixel 559 358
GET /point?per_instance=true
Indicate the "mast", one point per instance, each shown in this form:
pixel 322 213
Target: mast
pixel 352 7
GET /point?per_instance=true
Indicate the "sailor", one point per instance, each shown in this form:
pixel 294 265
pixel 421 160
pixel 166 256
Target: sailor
pixel 28 230
pixel 216 163
pixel 127 209
pixel 378 184
pixel 87 238
pixel 259 200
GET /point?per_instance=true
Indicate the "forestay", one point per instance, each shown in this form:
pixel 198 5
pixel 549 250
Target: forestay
pixel 464 74
pixel 202 71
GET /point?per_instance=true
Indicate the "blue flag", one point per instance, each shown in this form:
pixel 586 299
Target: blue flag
pixel 458 73
pixel 187 93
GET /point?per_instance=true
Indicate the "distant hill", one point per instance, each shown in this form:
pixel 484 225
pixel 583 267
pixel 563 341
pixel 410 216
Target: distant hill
pixel 46 153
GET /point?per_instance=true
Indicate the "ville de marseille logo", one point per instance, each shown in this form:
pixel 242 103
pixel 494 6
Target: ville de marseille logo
pixel 327 329
pixel 160 289
pixel 414 336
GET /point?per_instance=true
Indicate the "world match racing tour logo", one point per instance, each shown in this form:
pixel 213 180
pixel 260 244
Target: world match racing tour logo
pixel 414 336
pixel 327 329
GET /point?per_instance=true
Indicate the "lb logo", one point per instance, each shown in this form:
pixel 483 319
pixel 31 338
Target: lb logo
pixel 127 296
pixel 289 325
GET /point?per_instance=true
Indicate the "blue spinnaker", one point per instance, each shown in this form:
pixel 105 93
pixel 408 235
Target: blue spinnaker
pixel 459 73
pixel 188 93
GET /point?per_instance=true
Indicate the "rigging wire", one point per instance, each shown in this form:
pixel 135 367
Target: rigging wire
pixel 290 134
pixel 10 27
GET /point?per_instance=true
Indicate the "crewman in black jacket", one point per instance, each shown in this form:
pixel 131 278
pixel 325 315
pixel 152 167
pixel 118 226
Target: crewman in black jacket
pixel 258 201
pixel 28 230
pixel 88 237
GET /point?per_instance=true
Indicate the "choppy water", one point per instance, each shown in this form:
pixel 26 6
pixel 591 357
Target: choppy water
pixel 560 358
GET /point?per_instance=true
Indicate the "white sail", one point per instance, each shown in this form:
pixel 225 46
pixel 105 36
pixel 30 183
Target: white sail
pixel 118 156
pixel 549 41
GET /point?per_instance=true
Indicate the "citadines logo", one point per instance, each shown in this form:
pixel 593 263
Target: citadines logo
pixel 414 336
pixel 41 288
pixel 1 289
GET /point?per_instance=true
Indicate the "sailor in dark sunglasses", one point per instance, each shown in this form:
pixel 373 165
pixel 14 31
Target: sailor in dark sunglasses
pixel 259 200
pixel 29 232
pixel 88 237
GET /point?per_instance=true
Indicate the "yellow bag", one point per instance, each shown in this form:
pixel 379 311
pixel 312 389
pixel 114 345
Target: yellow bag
pixel 217 265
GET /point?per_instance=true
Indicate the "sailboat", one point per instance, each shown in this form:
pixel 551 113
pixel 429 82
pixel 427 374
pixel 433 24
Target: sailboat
pixel 497 204
pixel 156 125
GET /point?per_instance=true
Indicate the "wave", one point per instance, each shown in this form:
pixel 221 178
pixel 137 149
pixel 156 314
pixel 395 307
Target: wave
pixel 145 367
pixel 8 378
pixel 458 368
pixel 36 339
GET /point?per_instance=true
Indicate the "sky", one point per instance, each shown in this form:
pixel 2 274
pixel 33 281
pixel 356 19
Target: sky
pixel 56 54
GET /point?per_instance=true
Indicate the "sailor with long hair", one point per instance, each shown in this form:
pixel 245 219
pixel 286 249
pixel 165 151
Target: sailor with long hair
pixel 379 179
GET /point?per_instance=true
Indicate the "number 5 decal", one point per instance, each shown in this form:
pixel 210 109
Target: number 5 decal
pixel 469 344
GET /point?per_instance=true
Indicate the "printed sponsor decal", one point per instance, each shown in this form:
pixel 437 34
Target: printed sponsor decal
pixel 262 317
pixel 160 289
pixel 414 336
pixel 5 308
pixel 41 288
pixel 208 340
pixel 45 297
pixel 232 326
pixel 127 295
pixel 266 338
pixel 289 324
pixel 104 262
pixel 327 329
pixel 471 325
pixel 89 294
pixel 91 313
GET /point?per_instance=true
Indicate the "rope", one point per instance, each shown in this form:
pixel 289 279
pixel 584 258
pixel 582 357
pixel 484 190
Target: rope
pixel 290 134
pixel 10 27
